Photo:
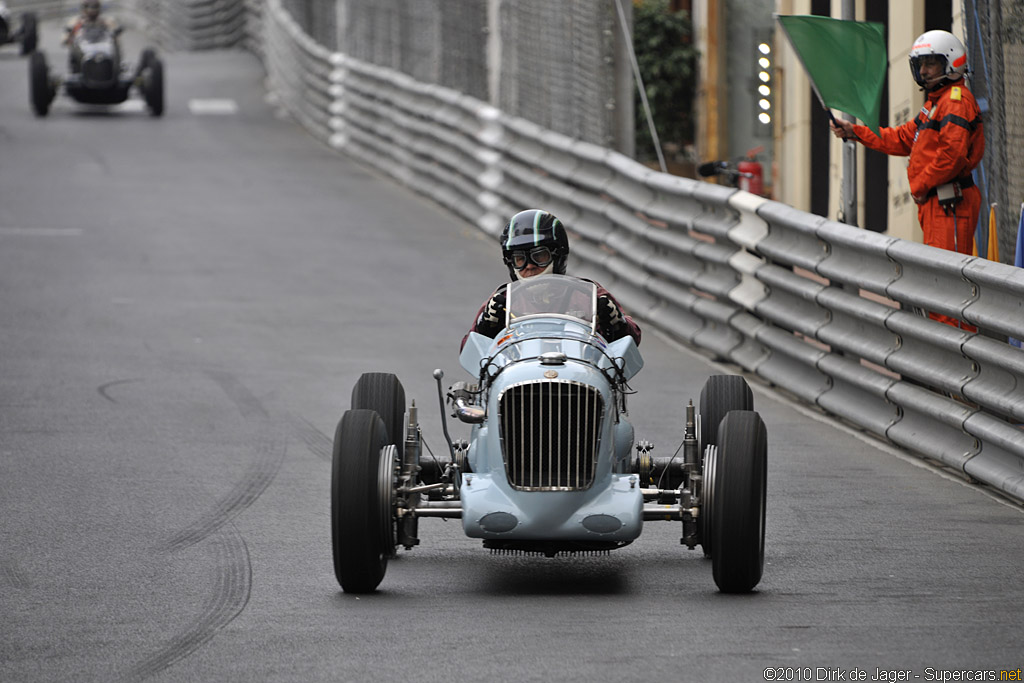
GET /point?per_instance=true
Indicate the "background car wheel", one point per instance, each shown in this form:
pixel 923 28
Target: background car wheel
pixel 40 90
pixel 362 502
pixel 738 514
pixel 153 86
pixel 29 33
pixel 384 394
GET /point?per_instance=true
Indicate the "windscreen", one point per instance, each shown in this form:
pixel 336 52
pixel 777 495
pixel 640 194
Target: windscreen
pixel 552 295
pixel 93 33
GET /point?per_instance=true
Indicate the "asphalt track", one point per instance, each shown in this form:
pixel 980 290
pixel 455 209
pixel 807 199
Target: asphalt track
pixel 186 303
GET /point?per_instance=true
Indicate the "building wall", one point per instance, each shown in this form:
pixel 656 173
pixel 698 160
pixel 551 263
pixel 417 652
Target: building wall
pixel 906 22
pixel 791 172
pixel 709 38
pixel 748 23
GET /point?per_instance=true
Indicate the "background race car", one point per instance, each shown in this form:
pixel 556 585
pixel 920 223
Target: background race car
pixel 96 75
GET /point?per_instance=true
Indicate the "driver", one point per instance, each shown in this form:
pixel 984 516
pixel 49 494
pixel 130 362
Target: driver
pixel 534 243
pixel 89 16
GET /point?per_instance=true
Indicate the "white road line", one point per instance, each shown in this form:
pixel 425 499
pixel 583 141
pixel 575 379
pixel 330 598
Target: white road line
pixel 213 106
pixel 41 232
pixel 132 107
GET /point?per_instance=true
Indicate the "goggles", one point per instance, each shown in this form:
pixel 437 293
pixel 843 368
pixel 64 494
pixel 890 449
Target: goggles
pixel 538 256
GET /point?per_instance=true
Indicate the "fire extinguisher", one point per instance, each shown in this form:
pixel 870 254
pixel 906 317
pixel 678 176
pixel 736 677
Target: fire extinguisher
pixel 751 173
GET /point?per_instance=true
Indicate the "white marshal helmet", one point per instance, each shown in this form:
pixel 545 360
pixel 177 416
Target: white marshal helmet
pixel 941 44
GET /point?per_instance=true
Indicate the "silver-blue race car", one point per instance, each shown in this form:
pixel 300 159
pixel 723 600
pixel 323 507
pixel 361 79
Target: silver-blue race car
pixel 551 464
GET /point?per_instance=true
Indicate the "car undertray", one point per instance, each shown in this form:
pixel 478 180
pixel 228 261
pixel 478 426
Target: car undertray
pixel 551 548
pixel 115 94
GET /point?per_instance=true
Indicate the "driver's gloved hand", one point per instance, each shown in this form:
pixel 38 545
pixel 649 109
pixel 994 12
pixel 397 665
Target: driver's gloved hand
pixel 610 321
pixel 492 318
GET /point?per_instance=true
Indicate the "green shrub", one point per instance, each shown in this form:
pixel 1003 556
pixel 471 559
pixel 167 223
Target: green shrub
pixel 667 59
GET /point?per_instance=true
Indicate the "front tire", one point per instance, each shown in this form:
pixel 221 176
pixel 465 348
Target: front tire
pixel 362 502
pixel 153 86
pixel 738 502
pixel 40 90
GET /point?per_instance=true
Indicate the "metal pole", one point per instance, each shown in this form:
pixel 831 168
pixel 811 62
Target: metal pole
pixel 849 189
pixel 625 123
pixel 494 52
pixel 628 40
pixel 996 132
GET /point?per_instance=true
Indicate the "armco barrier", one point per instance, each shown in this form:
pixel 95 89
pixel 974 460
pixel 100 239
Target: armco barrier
pixel 177 24
pixel 822 310
pixel 197 24
pixel 43 9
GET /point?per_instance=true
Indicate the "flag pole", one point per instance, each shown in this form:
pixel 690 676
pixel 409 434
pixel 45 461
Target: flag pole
pixel 849 196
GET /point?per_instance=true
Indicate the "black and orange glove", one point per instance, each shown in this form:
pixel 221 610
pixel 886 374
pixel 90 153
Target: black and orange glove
pixel 492 318
pixel 611 322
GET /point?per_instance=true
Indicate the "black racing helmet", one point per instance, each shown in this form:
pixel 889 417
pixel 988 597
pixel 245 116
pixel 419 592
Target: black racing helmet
pixel 91 9
pixel 534 236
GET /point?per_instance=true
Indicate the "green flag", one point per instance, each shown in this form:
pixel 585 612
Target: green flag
pixel 845 61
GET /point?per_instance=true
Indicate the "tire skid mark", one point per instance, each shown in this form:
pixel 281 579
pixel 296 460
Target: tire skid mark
pixel 104 389
pixel 232 587
pixel 233 581
pixel 247 403
pixel 270 449
pixel 318 443
pixel 244 494
pixel 11 575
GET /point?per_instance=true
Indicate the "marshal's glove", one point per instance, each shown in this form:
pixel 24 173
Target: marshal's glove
pixel 492 318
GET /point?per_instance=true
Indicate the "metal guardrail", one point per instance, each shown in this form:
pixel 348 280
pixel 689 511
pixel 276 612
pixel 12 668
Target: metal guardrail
pixel 817 308
pixel 177 24
pixel 44 9
pixel 198 24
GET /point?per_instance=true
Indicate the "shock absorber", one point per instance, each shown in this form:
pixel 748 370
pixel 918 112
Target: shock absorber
pixel 689 495
pixel 407 522
pixel 691 456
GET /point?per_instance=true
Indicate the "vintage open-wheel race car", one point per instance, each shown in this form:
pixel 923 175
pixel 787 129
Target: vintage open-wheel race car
pixel 550 465
pixel 96 75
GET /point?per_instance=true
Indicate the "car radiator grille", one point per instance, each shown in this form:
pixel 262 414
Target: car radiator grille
pixel 550 434
pixel 98 70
